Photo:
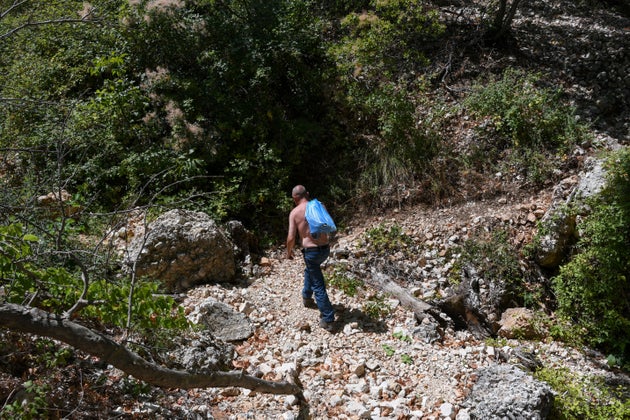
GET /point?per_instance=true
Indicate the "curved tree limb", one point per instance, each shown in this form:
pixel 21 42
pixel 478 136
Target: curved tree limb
pixel 88 16
pixel 35 321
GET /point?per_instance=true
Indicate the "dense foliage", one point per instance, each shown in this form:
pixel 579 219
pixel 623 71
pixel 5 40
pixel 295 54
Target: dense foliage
pixel 224 106
pixel 593 289
pixel 49 280
pixel 584 397
pixel 378 50
pixel 231 103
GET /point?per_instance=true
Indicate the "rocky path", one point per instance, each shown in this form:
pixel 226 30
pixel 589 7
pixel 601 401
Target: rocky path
pixel 370 368
pixel 367 368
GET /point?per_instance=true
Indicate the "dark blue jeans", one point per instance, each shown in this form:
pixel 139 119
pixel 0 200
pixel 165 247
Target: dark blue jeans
pixel 314 281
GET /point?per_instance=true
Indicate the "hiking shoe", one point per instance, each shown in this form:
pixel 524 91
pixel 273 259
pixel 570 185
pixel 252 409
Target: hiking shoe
pixel 309 303
pixel 328 326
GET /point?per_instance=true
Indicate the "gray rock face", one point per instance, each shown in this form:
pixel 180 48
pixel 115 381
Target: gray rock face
pixel 182 249
pixel 245 243
pixel 559 227
pixel 202 354
pixel 506 392
pixel 559 223
pixel 209 350
pixel 592 181
pixel 222 321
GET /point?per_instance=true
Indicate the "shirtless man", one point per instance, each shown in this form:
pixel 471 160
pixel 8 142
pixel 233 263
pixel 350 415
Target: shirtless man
pixel 315 253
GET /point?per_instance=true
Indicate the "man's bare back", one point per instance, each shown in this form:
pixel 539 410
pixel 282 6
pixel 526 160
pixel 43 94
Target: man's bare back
pixel 298 225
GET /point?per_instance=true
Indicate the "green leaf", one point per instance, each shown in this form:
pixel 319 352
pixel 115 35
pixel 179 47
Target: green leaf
pixel 29 237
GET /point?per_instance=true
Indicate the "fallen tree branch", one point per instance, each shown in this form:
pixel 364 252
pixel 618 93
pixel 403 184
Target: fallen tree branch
pixel 382 282
pixel 454 307
pixel 35 321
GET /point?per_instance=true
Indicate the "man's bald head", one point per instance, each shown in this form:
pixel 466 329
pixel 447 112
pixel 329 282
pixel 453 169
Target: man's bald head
pixel 299 191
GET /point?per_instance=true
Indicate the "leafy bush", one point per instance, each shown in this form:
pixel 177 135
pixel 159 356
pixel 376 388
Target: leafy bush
pixel 402 336
pixel 223 101
pixel 592 289
pixel 513 112
pixel 240 83
pixel 32 407
pixel 56 289
pixel 383 240
pixel 584 397
pixel 376 307
pixel 385 39
pixel 389 350
pixel 494 257
pixel 525 115
pixel 342 281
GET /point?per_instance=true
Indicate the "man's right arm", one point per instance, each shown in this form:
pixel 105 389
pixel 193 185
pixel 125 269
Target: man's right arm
pixel 291 236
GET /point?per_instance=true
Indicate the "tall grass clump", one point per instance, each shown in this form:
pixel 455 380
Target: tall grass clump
pixel 379 47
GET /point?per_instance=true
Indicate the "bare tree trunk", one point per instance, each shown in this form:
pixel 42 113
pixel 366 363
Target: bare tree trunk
pixel 35 321
pixel 503 19
pixel 498 17
pixel 382 282
pixel 455 307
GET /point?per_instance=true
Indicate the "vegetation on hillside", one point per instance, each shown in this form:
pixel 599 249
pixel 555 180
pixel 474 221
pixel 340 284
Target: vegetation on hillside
pixel 593 288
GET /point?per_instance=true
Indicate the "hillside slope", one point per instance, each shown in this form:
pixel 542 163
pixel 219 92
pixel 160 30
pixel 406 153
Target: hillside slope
pixel 372 365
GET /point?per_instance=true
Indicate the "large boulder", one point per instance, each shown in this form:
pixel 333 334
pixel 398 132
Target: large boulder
pixel 504 391
pixel 520 323
pixel 201 353
pixel 222 321
pixel 558 225
pixel 182 249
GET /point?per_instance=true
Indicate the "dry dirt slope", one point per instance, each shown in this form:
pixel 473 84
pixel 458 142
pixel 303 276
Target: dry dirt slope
pixel 372 367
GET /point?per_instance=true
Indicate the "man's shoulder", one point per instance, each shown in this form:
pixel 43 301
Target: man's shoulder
pixel 300 208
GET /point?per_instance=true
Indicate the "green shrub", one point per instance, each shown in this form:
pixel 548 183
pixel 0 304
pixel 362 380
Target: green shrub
pixel 24 275
pixel 493 257
pixel 376 307
pixel 342 281
pixel 592 289
pixel 584 397
pixel 525 115
pixel 382 41
pixel 402 337
pixel 150 310
pixel 389 350
pixel 379 48
pixel 383 240
pixel 51 355
pixel 406 359
pixel 32 407
pixel 514 113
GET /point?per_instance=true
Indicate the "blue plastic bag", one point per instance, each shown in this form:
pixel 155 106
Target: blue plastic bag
pixel 318 219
